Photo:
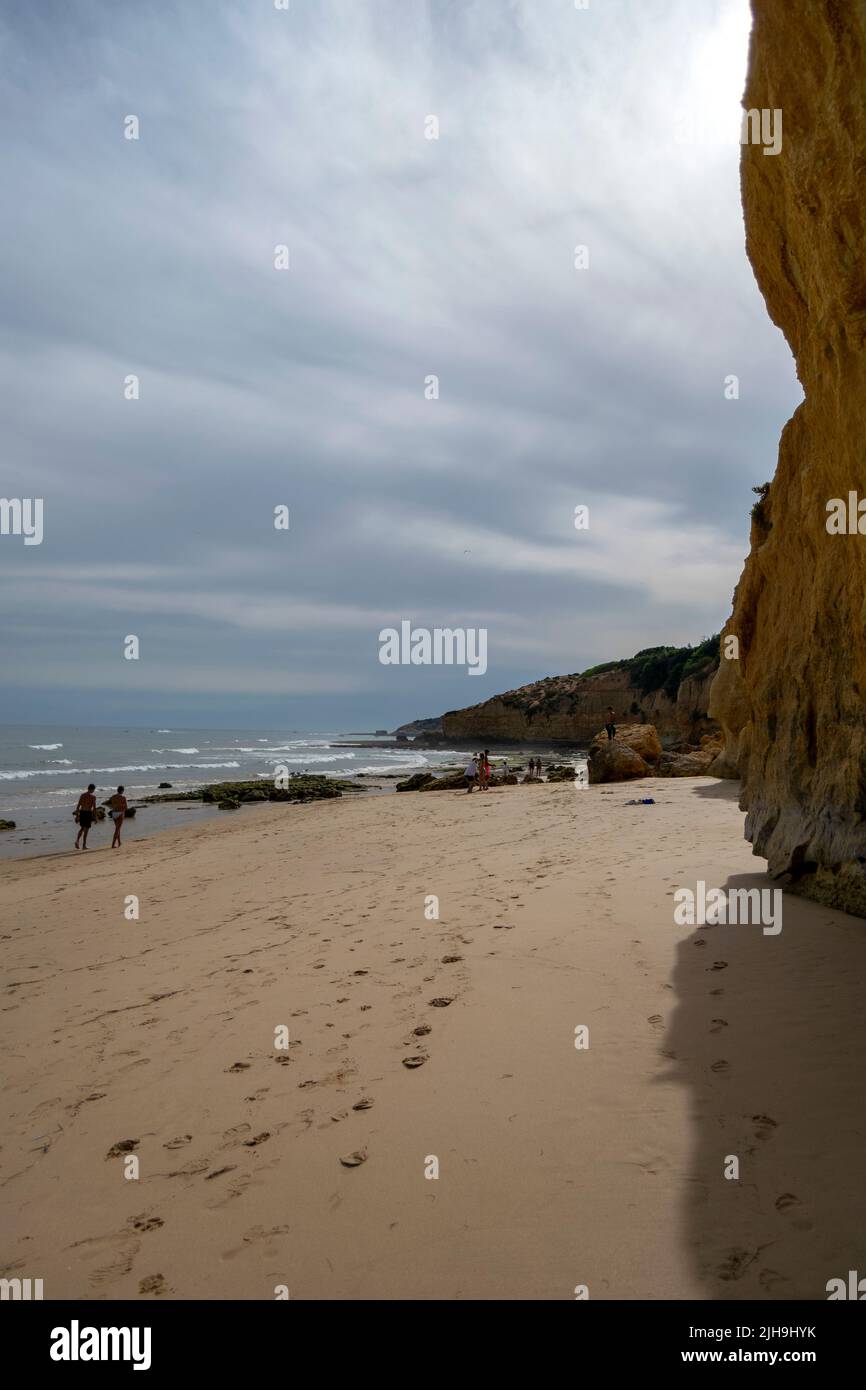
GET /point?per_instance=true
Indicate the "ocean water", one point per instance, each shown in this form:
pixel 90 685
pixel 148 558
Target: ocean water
pixel 43 770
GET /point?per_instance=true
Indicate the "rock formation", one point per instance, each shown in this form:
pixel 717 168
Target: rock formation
pixel 792 704
pixel 637 752
pixel 570 709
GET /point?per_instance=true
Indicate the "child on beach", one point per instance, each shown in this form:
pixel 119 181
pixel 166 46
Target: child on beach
pixel 84 814
pixel 470 774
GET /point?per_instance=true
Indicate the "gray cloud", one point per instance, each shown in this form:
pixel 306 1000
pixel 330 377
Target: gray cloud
pixel 408 257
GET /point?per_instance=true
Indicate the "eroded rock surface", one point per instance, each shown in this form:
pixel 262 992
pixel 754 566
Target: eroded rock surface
pixel 793 706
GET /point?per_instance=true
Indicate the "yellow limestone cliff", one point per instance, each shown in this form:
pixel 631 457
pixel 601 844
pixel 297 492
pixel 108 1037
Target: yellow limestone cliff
pixel 793 703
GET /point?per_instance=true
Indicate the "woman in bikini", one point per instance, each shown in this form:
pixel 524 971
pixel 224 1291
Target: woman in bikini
pixel 117 811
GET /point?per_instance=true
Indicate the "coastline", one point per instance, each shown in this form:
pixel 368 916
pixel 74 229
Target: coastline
pixel 557 1167
pixel 41 834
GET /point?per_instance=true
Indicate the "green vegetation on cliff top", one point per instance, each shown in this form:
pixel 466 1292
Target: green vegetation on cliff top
pixel 653 668
pixel 664 668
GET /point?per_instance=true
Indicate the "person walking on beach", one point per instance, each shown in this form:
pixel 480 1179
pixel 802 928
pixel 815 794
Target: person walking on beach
pixel 84 815
pixel 610 726
pixel 485 770
pixel 470 774
pixel 117 811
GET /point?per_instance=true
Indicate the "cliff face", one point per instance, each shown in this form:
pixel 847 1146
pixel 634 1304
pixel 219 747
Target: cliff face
pixel 573 709
pixel 792 705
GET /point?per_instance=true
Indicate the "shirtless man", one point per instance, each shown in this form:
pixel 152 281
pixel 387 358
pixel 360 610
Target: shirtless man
pixel 117 811
pixel 84 811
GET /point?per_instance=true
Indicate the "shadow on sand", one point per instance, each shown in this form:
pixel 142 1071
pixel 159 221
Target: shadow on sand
pixel 769 1036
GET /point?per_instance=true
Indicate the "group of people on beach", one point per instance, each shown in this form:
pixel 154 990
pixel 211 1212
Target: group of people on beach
pixel 85 814
pixel 478 770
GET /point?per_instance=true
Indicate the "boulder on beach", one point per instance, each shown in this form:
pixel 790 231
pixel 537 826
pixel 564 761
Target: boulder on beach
pixel 7 825
pixel 635 752
pixel 692 764
pixel 642 739
pixel 563 773
pixel 415 782
pixel 441 784
pixel 228 805
pixel 616 762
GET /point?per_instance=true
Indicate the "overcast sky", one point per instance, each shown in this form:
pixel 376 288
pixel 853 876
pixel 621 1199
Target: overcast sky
pixel 614 127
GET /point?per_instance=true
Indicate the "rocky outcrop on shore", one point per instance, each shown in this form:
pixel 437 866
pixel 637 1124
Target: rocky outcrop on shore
pixel 229 795
pixel 667 687
pixel 791 701
pixel 636 751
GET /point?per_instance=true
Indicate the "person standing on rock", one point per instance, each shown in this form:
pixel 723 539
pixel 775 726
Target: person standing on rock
pixel 610 726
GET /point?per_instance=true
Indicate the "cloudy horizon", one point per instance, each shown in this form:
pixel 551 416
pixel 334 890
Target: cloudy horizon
pixel 614 128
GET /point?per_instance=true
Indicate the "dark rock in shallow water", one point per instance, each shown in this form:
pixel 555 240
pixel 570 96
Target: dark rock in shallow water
pixel 7 825
pixel 561 774
pixel 164 784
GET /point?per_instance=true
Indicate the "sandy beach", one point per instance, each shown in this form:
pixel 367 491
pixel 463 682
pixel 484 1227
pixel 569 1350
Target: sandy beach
pixel 558 1167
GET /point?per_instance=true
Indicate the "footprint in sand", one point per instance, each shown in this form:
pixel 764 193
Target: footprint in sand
pixel 422 1030
pixel 718 1024
pixel 412 1062
pixel 441 1001
pixel 123 1146
pixel 656 1020
pixel 700 942
pixel 735 1263
pixel 721 1066
pixel 791 1206
pixel 354 1160
pixel 258 1139
pixel 365 1103
pixel 154 1283
pixel 718 965
pixel 179 1142
pixel 110 1257
pixel 146 1223
pixel 237 1066
pixel 770 1279
pixel 764 1126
